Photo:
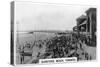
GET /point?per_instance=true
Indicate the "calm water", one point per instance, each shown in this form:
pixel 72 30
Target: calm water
pixel 26 37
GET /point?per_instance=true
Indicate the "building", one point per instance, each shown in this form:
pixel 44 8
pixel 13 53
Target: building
pixel 86 24
pixel 92 21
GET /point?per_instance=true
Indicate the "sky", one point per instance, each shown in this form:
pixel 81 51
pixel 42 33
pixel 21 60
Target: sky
pixel 42 16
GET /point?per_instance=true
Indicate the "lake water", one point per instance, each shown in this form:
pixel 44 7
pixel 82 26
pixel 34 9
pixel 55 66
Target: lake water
pixel 26 37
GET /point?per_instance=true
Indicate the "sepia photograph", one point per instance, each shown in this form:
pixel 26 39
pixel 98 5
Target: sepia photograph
pixel 51 31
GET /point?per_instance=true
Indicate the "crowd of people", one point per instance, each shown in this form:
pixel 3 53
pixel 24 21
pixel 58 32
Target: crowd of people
pixel 62 46
pixel 69 46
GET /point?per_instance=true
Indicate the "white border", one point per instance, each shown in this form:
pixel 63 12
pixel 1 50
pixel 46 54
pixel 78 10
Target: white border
pixel 15 29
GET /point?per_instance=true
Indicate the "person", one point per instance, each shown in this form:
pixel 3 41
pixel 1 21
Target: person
pixel 22 55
